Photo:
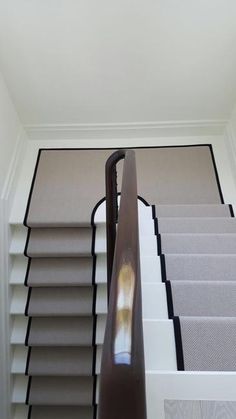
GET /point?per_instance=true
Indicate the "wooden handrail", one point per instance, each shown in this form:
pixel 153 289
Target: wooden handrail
pixel 111 210
pixel 122 377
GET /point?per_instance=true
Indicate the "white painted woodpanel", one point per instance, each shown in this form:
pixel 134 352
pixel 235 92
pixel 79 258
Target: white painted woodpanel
pixel 19 299
pixel 159 345
pixel 18 241
pixel 18 270
pixel 21 412
pixel 154 301
pixel 19 330
pixel 19 359
pixel 150 268
pixel 101 269
pixel 19 389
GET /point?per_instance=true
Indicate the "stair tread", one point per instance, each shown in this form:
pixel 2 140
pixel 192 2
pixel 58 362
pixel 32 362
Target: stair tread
pixel 62 331
pixel 198 243
pixel 60 271
pixel 196 225
pixel 193 210
pixel 20 293
pixel 21 322
pixel 209 343
pixel 60 301
pixel 59 242
pixel 61 391
pixel 61 361
pixel 21 352
pixel 204 298
pixel 200 267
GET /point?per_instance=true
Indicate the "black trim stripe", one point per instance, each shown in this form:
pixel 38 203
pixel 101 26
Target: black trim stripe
pixel 93 240
pixel 124 148
pixel 163 267
pixel 216 174
pixel 95 209
pixel 27 242
pixel 28 390
pixel 94 330
pixel 27 272
pixel 94 390
pixel 94 269
pixel 94 299
pixel 169 300
pixel 231 210
pixel 28 360
pixel 154 212
pixel 31 188
pixel 156 228
pixel 28 331
pixel 95 411
pixel 28 301
pixel 94 360
pixel 178 344
pixel 159 244
pixel 143 201
pixel 29 412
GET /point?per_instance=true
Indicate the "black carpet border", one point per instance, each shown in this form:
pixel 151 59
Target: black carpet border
pixel 169 298
pixel 178 344
pixel 28 360
pixel 231 210
pixel 159 247
pixel 163 268
pixel 216 174
pixel 31 188
pixel 27 272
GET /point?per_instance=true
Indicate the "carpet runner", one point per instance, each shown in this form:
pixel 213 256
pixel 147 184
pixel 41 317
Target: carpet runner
pixel 197 246
pixel 61 327
pixel 61 269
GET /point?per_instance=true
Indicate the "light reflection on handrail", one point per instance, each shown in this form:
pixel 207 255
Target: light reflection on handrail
pixel 124 304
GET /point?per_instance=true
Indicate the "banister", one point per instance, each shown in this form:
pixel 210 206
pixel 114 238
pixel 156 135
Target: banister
pixel 122 378
pixel 111 209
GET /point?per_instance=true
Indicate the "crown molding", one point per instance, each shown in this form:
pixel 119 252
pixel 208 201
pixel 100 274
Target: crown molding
pixel 125 130
pixel 230 139
pixel 17 155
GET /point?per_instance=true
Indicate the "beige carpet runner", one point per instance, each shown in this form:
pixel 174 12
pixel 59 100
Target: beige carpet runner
pixel 61 328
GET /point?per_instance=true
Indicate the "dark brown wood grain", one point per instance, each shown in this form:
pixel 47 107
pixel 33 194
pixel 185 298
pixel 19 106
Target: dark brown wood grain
pixel 122 378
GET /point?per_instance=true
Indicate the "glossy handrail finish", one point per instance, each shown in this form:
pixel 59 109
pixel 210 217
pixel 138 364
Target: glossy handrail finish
pixel 111 209
pixel 122 377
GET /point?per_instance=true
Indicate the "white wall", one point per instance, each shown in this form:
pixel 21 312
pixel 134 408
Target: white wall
pixel 233 122
pixel 230 141
pixel 10 130
pixel 12 146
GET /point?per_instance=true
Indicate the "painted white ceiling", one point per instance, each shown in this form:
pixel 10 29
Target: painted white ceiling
pixel 106 61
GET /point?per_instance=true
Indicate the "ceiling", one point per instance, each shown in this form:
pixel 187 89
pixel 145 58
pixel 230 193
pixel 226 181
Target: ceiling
pixel 91 62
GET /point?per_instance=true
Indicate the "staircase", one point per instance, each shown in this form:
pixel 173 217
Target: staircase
pixel 64 299
pixel 63 294
pixel 198 255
